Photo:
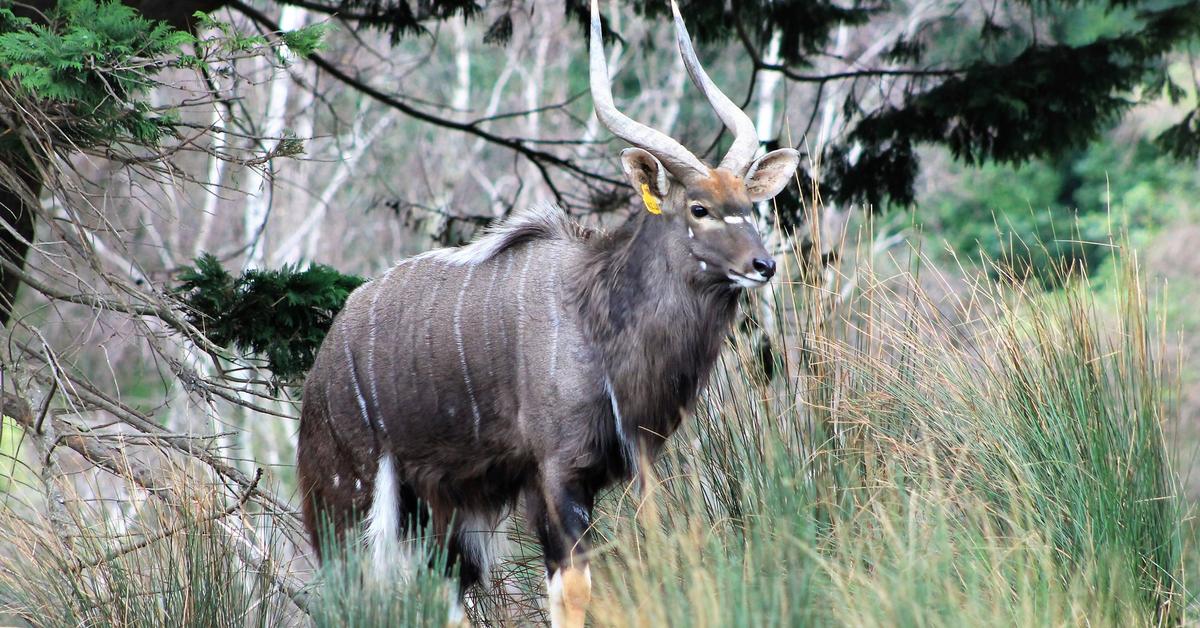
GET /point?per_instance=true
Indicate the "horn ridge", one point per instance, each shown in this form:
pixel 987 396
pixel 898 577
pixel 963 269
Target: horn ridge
pixel 745 136
pixel 678 160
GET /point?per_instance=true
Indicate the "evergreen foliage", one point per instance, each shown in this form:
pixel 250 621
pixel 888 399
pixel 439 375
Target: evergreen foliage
pixel 282 315
pixel 92 60
pixel 91 63
pixel 399 17
pixel 1025 81
pixel 84 71
pixel 804 26
pixel 990 92
pixel 303 41
pixel 1049 99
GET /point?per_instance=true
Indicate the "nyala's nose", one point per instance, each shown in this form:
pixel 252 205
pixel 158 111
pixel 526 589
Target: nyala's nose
pixel 764 265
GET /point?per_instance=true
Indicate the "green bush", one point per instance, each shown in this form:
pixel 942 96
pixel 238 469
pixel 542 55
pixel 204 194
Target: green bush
pixel 94 60
pixel 281 315
pixel 1048 217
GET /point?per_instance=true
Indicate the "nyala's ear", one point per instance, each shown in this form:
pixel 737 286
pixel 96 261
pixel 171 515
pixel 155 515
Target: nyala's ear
pixel 769 174
pixel 647 176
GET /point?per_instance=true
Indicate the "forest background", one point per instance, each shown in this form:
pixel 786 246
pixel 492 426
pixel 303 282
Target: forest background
pixel 992 240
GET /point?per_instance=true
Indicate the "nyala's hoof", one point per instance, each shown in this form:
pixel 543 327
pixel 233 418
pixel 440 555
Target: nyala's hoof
pixel 570 593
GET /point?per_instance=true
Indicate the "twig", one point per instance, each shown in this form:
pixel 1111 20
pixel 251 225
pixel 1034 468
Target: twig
pixel 539 158
pixel 115 462
pixel 129 416
pixel 821 79
pixel 46 406
pixel 162 534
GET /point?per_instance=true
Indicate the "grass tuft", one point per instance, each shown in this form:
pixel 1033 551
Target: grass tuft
pixel 888 448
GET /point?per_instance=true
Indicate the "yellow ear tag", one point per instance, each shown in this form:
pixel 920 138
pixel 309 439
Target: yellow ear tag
pixel 649 200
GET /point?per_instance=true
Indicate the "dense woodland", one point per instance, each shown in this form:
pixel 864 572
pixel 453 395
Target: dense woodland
pixel 972 395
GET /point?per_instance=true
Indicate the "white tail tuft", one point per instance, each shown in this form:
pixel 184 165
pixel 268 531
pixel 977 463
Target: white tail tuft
pixel 383 521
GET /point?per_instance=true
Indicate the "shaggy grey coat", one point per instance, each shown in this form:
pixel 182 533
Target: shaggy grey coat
pixel 543 355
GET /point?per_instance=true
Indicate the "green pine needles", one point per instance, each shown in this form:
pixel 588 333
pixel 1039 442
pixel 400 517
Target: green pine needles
pixel 91 64
pixel 92 60
pixel 281 315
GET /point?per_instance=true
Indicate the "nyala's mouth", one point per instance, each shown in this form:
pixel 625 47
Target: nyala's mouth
pixel 753 280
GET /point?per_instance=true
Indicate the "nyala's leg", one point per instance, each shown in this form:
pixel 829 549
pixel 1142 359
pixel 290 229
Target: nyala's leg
pixel 570 592
pixel 561 514
pixel 476 542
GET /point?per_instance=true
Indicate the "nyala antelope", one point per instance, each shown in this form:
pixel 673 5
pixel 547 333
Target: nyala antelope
pixel 539 364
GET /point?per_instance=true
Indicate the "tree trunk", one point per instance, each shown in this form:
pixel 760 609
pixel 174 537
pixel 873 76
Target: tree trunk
pixel 17 214
pixel 16 206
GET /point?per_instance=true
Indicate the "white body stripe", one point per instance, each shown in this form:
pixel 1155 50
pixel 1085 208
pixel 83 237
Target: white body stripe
pixel 487 322
pixel 508 264
pixel 358 395
pixel 433 296
pixel 521 311
pixel 556 323
pixel 628 446
pixel 520 326
pixel 462 351
pixel 372 322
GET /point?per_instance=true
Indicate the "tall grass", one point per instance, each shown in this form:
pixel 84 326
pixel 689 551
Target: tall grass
pixel 354 592
pixel 175 566
pixel 920 456
pixel 159 567
pixel 991 457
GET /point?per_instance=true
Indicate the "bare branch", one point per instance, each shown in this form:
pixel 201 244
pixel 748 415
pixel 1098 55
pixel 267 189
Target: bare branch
pixel 117 463
pixel 539 158
pixel 162 534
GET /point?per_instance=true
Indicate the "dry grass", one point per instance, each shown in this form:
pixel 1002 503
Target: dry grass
pixel 925 452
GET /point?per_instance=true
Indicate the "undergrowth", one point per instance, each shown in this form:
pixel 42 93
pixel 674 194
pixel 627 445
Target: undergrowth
pixel 991 456
pixel 921 456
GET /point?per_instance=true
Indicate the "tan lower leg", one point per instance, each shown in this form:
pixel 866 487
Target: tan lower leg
pixel 570 593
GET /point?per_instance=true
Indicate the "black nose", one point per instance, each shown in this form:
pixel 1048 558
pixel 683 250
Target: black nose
pixel 764 265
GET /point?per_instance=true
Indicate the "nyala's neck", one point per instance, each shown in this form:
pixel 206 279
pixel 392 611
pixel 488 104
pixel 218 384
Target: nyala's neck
pixel 659 328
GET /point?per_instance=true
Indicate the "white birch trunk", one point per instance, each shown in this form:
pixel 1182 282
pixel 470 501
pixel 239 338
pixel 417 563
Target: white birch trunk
pixel 258 186
pixel 290 251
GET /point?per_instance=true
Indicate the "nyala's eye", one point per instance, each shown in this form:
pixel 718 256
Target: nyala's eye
pixel 699 211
